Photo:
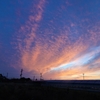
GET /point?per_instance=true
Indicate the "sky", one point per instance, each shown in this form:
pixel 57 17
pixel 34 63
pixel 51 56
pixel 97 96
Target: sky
pixel 58 38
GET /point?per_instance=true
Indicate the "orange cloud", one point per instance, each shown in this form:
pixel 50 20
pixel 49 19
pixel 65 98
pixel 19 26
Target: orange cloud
pixel 75 73
pixel 44 57
pixel 42 53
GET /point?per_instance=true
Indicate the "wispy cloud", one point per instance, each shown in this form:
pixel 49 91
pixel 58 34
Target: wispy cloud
pixel 87 63
pixel 62 54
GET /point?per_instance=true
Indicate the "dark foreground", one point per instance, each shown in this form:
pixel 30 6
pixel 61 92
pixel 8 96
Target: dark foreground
pixel 30 92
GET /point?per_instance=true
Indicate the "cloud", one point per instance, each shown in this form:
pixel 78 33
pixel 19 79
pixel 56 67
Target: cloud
pixel 66 53
pixel 87 63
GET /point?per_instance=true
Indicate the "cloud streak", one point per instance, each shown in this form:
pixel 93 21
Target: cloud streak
pixel 61 53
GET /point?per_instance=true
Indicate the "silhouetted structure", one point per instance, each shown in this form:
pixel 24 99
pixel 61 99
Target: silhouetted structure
pixel 41 76
pixel 34 78
pixel 7 75
pixel 3 78
pixel 21 73
pixel 83 76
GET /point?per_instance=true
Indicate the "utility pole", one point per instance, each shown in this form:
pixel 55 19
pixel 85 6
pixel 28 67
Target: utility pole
pixel 21 73
pixel 7 75
pixel 33 78
pixel 83 76
pixel 40 76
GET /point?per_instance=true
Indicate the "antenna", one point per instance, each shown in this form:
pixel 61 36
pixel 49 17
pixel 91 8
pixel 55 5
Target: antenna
pixel 33 77
pixel 83 76
pixel 21 73
pixel 7 75
pixel 40 76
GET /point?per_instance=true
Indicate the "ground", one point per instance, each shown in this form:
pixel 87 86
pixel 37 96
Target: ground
pixel 18 91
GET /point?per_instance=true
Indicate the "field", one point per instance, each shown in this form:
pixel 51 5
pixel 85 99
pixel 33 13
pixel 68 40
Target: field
pixel 13 91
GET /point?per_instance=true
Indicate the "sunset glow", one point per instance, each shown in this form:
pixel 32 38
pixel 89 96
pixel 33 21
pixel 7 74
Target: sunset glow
pixel 58 38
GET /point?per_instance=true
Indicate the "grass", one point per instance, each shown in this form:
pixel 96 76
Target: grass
pixel 30 92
